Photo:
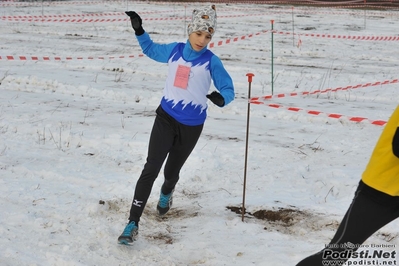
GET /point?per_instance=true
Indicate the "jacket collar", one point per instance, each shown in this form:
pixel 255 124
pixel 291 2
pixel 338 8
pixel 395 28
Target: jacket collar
pixel 189 53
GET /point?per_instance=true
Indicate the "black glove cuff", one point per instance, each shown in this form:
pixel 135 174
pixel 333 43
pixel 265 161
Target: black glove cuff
pixel 139 31
pixel 220 103
pixel 216 98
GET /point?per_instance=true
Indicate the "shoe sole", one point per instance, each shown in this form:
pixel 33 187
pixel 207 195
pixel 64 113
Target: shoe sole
pixel 125 242
pixel 162 214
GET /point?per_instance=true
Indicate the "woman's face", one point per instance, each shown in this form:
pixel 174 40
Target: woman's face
pixel 199 40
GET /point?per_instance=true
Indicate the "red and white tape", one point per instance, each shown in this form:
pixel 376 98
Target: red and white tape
pixel 357 119
pixel 31 17
pixel 304 93
pixel 69 58
pixel 211 45
pixel 62 16
pixel 80 20
pixel 231 40
pixel 343 37
pixel 259 100
pixel 341 4
pixel 57 3
pixel 15 3
pixel 66 58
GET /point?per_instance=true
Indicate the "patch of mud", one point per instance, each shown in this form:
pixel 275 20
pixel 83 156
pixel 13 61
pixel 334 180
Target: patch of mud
pixel 289 220
pixel 161 238
pixel 286 217
pixel 174 213
pixel 163 231
pixel 297 222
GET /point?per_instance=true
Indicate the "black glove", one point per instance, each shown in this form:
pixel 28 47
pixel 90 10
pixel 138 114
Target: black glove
pixel 136 22
pixel 216 98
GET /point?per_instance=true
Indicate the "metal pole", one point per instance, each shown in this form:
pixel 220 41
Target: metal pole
pixel 272 22
pixel 293 31
pixel 249 75
pixel 42 11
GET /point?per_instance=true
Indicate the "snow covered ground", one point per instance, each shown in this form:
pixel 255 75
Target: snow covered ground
pixel 74 127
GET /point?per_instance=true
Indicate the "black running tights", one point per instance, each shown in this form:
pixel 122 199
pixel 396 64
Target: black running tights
pixel 370 210
pixel 171 139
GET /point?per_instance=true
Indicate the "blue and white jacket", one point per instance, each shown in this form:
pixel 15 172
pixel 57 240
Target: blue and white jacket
pixel 188 106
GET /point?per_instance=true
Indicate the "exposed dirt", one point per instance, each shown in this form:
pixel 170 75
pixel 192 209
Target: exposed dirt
pixel 289 220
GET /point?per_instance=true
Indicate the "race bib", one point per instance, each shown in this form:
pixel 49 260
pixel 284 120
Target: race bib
pixel 182 75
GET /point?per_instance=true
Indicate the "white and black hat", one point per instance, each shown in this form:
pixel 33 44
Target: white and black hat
pixel 203 20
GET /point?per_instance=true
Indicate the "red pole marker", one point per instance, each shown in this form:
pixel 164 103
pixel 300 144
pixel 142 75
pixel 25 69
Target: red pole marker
pixel 249 75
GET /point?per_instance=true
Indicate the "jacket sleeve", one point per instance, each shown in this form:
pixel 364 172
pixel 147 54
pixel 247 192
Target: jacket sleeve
pixel 395 143
pixel 222 80
pixel 155 51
